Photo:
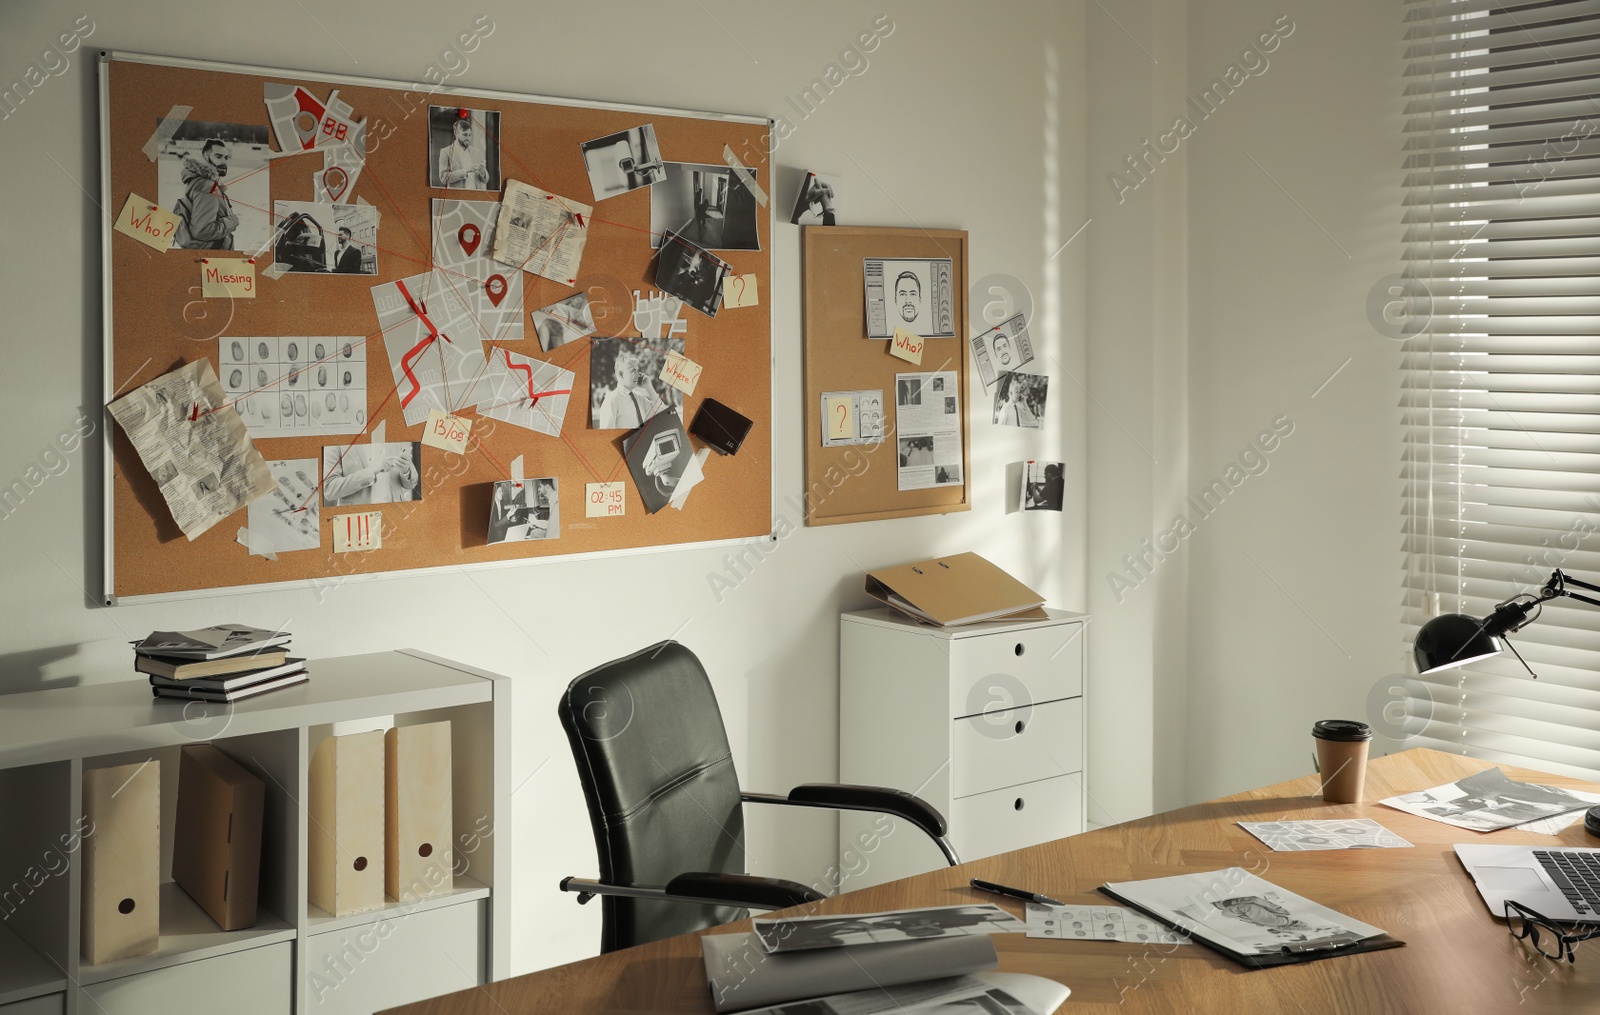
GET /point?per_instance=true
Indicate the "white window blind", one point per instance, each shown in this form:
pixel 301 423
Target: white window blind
pixel 1501 403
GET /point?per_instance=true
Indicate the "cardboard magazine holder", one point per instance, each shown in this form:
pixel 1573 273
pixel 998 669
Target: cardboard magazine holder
pixel 419 858
pixel 216 844
pixel 345 841
pixel 122 862
pixel 955 590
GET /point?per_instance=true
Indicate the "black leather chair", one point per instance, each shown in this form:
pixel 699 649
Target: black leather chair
pixel 666 806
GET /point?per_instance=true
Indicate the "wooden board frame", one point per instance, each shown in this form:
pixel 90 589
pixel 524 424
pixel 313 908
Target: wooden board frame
pixel 859 483
pixel 143 556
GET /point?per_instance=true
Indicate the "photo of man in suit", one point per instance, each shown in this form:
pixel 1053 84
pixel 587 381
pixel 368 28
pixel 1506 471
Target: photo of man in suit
pixel 346 258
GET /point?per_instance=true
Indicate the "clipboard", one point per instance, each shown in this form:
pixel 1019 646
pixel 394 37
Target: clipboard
pixel 1310 951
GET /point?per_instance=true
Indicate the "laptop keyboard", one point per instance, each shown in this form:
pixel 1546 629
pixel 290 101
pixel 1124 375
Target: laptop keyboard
pixel 1577 874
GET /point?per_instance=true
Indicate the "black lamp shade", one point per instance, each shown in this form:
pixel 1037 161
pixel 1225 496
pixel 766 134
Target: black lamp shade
pixel 1453 639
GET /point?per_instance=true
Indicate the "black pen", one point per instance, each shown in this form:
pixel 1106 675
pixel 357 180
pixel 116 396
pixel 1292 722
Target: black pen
pixel 1015 893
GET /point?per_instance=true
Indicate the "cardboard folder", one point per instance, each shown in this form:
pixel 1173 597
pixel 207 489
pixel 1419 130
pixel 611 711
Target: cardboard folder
pixel 418 859
pixel 344 845
pixel 956 590
pixel 122 862
pixel 216 846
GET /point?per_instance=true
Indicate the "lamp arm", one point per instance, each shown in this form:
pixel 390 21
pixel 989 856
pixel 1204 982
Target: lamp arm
pixel 1557 586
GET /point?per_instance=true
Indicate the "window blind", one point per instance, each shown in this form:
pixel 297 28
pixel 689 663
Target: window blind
pixel 1501 385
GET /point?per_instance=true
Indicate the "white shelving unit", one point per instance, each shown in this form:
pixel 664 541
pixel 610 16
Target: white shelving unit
pixel 985 722
pixel 296 958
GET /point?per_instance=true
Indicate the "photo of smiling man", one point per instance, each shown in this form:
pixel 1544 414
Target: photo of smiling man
pixel 911 293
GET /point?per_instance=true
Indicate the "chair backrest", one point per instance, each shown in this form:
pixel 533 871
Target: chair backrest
pixel 658 775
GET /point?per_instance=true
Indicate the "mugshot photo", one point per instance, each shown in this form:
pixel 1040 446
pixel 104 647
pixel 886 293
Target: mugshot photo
pixel 463 148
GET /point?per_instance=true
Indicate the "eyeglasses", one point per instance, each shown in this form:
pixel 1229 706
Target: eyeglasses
pixel 1549 938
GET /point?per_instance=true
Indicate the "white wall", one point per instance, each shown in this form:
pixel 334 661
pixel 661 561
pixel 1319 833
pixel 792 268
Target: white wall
pixel 969 116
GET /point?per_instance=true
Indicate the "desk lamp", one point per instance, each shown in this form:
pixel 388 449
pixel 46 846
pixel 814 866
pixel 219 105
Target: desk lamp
pixel 1455 639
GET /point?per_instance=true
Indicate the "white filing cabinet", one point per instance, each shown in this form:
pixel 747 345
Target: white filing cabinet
pixel 986 723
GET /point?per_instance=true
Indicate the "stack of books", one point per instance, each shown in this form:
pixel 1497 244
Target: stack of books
pixel 225 663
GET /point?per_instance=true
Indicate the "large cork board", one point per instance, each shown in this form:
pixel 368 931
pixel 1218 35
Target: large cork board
pixel 156 319
pixel 859 483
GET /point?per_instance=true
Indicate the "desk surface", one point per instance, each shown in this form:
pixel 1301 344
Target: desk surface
pixel 1457 957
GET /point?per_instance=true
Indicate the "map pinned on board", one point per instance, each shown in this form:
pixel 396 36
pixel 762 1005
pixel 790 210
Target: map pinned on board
pixel 303 123
pixel 433 343
pixel 463 235
pixel 525 392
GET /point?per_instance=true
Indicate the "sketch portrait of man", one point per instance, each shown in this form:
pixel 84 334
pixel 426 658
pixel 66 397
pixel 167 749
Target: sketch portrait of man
pixel 908 295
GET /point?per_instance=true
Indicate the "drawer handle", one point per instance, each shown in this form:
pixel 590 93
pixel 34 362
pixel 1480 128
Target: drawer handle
pixel 1020 725
pixel 1019 648
pixel 1018 804
pixel 125 906
pixel 425 850
pixel 361 863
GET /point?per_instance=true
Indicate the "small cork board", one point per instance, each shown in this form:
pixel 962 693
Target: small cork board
pixel 157 319
pixel 860 482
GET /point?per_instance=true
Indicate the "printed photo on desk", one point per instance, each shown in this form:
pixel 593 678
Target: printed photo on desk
pixel 807 932
pixel 215 178
pixel 1487 801
pixel 371 473
pixel 707 205
pixel 530 509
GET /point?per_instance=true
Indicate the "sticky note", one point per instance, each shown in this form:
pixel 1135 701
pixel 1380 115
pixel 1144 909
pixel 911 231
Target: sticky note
pixel 605 500
pixel 681 372
pixel 907 346
pixel 146 222
pixel 360 531
pixel 838 418
pixel 228 276
pixel 740 291
pixel 446 432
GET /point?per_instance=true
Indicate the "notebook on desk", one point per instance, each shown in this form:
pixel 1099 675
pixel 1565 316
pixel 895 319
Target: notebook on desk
pixel 1560 883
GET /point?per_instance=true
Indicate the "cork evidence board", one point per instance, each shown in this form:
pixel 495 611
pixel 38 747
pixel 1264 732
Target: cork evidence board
pixel 323 312
pixel 862 481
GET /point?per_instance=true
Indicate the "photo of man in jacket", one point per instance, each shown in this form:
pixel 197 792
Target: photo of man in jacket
pixel 205 215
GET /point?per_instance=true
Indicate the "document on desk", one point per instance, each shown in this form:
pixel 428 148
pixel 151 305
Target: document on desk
pixel 1097 923
pixel 802 933
pixel 1490 800
pixel 1347 833
pixel 1012 993
pixel 1242 914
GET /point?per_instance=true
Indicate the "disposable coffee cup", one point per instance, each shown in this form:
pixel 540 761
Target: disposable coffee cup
pixel 1342 758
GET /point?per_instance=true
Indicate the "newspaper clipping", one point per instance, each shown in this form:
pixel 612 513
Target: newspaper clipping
pixel 195 445
pixel 541 233
pixel 928 429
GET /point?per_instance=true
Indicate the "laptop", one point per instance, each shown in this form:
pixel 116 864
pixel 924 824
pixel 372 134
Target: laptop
pixel 1562 883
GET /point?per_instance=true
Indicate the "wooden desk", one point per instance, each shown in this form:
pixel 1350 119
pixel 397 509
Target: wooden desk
pixel 1457 957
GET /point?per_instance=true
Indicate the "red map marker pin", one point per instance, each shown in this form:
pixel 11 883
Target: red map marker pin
pixel 495 287
pixel 469 237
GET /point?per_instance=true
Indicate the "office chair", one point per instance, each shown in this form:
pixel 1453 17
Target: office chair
pixel 665 803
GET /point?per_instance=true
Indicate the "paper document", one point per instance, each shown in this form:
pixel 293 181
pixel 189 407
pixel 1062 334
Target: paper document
pixel 807 932
pixel 928 429
pixel 195 446
pixel 1001 349
pixel 434 343
pixel 1487 801
pixel 1347 833
pixel 541 233
pixel 1097 923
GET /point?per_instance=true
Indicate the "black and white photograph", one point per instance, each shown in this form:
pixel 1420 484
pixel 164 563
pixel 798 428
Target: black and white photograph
pixel 625 385
pixel 624 161
pixel 708 205
pixel 214 178
pixel 326 239
pixel 1019 399
pixel 808 932
pixel 657 454
pixel 1488 801
pixel 530 509
pixel 366 473
pixel 463 148
pixel 691 273
pixel 564 322
pixel 1043 486
pixel 817 201
pixel 915 293
pixel 1004 347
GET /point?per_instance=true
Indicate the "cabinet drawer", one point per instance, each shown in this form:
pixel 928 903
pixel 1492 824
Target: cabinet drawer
pixel 1016 745
pixel 1016 668
pixel 395 960
pixel 49 1004
pixel 252 982
pixel 1006 819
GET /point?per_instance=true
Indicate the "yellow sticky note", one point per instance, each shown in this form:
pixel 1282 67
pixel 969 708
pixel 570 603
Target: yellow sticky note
pixel 740 291
pixel 838 418
pixel 146 222
pixel 360 531
pixel 605 500
pixel 907 346
pixel 446 432
pixel 228 276
pixel 681 372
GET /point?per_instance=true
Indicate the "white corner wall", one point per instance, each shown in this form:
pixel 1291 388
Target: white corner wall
pixel 967 115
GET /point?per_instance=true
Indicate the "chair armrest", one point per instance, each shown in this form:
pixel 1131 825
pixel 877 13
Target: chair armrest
pixel 879 799
pixel 743 890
